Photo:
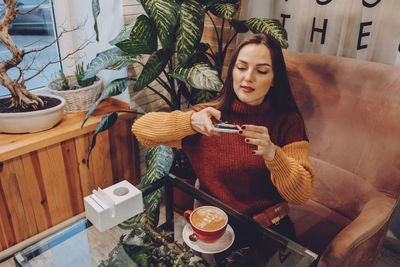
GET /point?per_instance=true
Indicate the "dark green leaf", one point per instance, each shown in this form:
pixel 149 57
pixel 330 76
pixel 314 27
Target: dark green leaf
pixel 116 87
pixel 224 10
pixel 158 163
pixel 202 96
pixel 190 29
pixel 118 257
pixel 165 14
pixel 96 12
pixel 105 123
pixel 199 76
pixel 153 68
pixel 137 38
pixel 272 27
pixel 112 59
pixel 239 25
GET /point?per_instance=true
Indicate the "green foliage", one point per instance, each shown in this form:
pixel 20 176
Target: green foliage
pixel 116 87
pixel 137 38
pixel 269 26
pixel 81 79
pixel 80 76
pixel 150 246
pixel 64 84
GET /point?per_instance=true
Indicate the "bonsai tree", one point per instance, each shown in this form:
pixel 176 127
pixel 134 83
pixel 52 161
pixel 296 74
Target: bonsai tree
pixel 20 97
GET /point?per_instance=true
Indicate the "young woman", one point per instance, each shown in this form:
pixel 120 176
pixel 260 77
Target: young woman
pixel 265 165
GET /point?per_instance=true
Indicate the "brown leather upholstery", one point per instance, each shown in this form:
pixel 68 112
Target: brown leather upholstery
pixel 351 110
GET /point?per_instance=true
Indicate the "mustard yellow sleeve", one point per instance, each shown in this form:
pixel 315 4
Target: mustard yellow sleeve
pixel 292 173
pixel 163 128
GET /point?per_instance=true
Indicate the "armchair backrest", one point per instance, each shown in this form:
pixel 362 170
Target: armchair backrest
pixel 351 110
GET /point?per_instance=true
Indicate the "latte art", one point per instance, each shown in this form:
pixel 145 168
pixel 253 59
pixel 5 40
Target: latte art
pixel 208 219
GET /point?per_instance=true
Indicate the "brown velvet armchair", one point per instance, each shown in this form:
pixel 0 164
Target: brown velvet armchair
pixel 351 110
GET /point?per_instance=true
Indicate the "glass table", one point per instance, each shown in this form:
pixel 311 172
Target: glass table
pixel 81 244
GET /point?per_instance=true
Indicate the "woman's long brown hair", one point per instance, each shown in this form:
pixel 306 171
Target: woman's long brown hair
pixel 280 94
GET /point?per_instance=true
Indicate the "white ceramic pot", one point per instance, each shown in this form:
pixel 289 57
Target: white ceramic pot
pixel 33 121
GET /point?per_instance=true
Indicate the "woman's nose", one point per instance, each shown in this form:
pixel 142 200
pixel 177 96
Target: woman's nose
pixel 249 75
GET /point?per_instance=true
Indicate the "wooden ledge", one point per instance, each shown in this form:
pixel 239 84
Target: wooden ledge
pixel 14 145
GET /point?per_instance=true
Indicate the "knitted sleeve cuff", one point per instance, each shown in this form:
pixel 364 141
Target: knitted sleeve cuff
pixel 280 163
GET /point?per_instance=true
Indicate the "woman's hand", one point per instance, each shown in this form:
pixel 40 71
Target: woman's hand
pixel 259 136
pixel 202 121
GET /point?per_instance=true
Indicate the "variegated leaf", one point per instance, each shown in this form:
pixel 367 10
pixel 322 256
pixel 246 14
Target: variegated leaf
pixel 272 27
pixel 112 59
pixel 201 96
pixel 199 76
pixel 139 37
pixel 106 123
pixel 224 10
pixel 96 12
pixel 165 14
pixel 153 68
pixel 190 29
pixel 158 163
pixel 116 87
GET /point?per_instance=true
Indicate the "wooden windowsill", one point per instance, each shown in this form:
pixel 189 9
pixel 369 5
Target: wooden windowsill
pixel 14 145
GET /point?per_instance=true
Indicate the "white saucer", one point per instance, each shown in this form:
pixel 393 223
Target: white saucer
pixel 209 248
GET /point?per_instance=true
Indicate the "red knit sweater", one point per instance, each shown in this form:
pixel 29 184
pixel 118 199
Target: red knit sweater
pixel 225 166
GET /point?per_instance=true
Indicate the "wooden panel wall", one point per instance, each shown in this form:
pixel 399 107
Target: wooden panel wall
pixel 45 187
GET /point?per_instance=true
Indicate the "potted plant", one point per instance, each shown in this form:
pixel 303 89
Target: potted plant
pixel 24 111
pixel 79 93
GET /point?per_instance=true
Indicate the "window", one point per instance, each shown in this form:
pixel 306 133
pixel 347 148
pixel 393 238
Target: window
pixel 33 31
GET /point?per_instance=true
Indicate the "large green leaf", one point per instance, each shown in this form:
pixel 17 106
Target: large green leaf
pixel 224 10
pixel 106 123
pixel 239 25
pixel 96 12
pixel 269 26
pixel 200 76
pixel 153 68
pixel 201 96
pixel 112 59
pixel 165 14
pixel 158 163
pixel 190 29
pixel 116 87
pixel 139 37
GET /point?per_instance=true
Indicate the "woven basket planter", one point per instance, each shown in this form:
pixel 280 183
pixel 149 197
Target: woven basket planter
pixel 80 99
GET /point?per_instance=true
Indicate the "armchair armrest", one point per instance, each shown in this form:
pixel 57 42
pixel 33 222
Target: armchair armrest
pixel 357 243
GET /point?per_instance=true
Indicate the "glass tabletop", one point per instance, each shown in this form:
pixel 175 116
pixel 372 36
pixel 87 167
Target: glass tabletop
pixel 245 241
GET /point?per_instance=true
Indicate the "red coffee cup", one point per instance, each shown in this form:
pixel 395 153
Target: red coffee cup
pixel 208 223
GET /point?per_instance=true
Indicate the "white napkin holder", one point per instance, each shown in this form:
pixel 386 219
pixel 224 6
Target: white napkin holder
pixel 113 205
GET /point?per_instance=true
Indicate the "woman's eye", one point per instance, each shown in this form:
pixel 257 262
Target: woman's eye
pixel 240 67
pixel 262 72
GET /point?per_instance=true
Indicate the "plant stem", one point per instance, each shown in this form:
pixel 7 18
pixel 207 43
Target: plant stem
pixel 215 26
pixel 162 96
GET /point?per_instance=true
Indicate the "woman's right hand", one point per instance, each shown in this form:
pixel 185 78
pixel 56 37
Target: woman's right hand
pixel 202 121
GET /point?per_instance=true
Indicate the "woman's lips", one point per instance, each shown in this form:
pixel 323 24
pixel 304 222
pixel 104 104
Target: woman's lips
pixel 247 89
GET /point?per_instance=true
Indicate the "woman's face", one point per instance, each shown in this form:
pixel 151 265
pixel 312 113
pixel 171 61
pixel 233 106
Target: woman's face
pixel 253 74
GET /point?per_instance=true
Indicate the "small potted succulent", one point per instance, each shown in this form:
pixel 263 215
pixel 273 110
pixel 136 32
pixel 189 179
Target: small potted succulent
pixel 79 93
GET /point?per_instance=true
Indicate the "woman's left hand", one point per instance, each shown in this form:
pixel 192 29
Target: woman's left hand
pixel 259 136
